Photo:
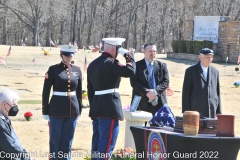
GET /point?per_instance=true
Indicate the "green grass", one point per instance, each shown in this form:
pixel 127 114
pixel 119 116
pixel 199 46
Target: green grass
pixel 30 102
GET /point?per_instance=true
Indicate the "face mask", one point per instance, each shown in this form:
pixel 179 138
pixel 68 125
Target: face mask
pixel 13 110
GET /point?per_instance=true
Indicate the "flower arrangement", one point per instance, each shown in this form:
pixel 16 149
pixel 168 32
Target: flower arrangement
pixel 84 94
pixel 127 108
pixel 124 154
pixel 28 116
pixel 46 52
pixel 85 99
pixel 236 84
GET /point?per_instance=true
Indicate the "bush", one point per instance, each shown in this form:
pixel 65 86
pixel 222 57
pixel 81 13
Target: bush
pixel 182 46
pixel 197 45
pixel 175 46
pixel 208 44
pixel 193 47
pixel 189 47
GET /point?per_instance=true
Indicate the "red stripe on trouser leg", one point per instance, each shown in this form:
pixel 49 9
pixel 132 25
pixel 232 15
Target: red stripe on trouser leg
pixel 110 138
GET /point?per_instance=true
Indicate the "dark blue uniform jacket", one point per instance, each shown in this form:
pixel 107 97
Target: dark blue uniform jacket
pixel 62 79
pixel 105 73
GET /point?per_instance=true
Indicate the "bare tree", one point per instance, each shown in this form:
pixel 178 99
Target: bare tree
pixel 88 21
pixel 31 18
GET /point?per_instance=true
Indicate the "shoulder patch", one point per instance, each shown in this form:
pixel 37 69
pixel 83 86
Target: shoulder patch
pixel 109 59
pixel 46 75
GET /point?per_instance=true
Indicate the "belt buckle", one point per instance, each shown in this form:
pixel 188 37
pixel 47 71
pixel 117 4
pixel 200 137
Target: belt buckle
pixel 68 93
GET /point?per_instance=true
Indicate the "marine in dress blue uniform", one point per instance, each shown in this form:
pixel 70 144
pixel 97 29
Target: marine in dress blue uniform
pixel 103 78
pixel 66 102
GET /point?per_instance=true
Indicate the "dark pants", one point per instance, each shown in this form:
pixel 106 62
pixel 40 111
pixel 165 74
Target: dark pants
pixel 61 137
pixel 105 133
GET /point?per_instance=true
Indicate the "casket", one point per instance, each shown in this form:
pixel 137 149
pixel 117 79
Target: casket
pixel 206 125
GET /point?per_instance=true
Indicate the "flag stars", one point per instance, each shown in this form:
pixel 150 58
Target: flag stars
pixel 162 114
pixel 162 123
pixel 164 117
pixel 167 123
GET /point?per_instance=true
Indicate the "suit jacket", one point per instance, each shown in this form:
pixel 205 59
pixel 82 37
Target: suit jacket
pixel 200 94
pixel 105 73
pixel 139 83
pixel 61 78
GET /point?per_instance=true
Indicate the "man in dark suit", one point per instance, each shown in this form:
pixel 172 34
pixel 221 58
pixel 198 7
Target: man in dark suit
pixel 201 89
pixel 150 81
pixel 103 78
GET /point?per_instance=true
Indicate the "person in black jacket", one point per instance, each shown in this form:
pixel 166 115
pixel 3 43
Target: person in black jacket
pixel 103 78
pixel 150 81
pixel 66 102
pixel 9 143
pixel 201 87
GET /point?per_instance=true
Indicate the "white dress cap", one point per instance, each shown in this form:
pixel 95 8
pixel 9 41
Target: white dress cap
pixel 114 41
pixel 67 48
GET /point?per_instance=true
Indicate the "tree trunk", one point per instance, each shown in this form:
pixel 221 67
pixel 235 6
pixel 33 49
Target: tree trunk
pixel 81 23
pixel 229 8
pixel 145 24
pixel 135 31
pixel 61 32
pixel 4 38
pixel 36 33
pixel 49 30
pixel 92 19
pixel 237 18
pixel 74 22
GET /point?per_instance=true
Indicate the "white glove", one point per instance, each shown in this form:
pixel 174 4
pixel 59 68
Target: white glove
pixel 46 117
pixel 122 51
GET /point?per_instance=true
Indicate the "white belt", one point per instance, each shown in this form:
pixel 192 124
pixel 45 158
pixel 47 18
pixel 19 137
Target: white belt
pixel 64 93
pixel 106 91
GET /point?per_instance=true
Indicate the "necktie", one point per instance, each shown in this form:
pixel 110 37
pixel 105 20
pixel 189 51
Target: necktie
pixel 150 77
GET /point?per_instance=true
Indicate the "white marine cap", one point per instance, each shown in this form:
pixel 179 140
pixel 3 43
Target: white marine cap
pixel 114 41
pixel 67 50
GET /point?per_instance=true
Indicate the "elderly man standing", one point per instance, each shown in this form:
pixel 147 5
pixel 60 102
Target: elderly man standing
pixel 201 88
pixel 103 78
pixel 9 142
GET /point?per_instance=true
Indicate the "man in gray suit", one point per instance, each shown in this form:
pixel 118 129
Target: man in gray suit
pixel 201 88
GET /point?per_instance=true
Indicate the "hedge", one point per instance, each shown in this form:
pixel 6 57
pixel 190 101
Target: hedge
pixel 192 47
pixel 175 45
pixel 182 46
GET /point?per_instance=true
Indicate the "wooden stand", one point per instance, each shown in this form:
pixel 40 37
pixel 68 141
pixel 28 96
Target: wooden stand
pixel 225 127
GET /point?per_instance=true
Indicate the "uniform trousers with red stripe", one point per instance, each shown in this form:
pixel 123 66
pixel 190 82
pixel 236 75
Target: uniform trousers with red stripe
pixel 105 133
pixel 61 137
